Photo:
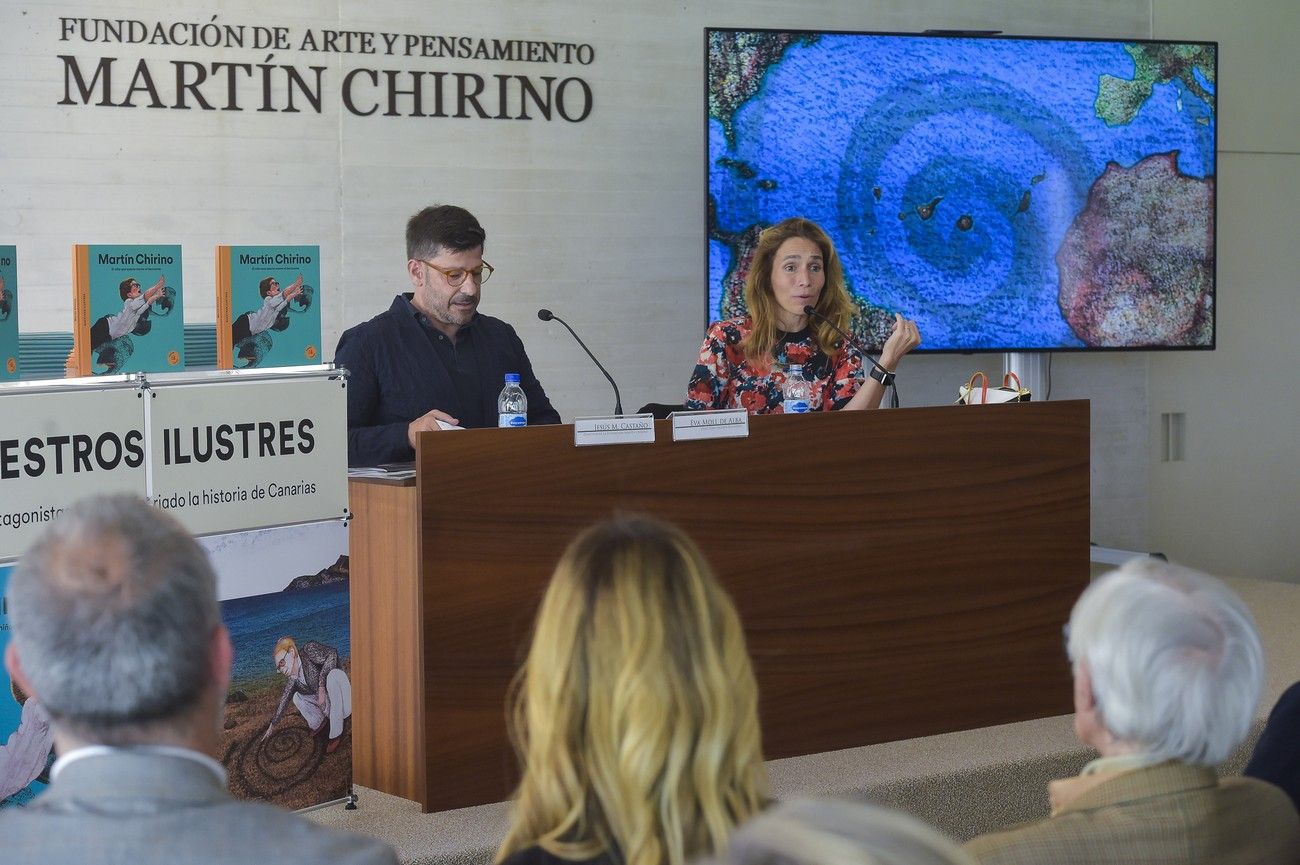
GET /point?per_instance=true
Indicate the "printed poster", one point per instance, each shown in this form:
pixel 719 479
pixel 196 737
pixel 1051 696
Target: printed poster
pixel 287 733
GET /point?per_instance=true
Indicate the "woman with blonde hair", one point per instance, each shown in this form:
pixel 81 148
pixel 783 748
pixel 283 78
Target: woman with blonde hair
pixel 635 714
pixel 744 361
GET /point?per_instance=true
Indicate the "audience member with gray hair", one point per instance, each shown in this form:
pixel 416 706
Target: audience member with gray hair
pixel 117 631
pixel 836 832
pixel 1168 672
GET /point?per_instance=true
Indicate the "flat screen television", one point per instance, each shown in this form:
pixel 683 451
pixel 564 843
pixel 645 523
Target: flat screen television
pixel 1008 193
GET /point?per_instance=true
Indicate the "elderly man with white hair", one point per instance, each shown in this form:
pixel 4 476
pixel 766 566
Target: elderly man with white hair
pixel 1168 671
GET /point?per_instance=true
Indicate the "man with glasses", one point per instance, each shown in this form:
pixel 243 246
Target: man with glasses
pixel 431 360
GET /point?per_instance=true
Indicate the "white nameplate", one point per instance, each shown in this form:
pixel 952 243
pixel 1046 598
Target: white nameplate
pixel 727 423
pixel 627 429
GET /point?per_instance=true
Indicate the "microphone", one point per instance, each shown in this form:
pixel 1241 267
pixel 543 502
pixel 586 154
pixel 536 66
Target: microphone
pixel 547 315
pixel 809 310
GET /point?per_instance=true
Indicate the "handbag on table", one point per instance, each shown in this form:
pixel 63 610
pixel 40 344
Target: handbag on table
pixel 982 394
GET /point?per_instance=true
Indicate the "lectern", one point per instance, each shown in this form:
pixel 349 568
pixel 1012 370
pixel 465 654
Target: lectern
pixel 899 573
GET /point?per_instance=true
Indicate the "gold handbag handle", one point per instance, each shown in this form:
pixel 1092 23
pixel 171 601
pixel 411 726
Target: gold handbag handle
pixel 984 388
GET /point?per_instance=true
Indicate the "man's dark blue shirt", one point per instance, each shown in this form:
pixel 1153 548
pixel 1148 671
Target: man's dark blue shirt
pixel 400 368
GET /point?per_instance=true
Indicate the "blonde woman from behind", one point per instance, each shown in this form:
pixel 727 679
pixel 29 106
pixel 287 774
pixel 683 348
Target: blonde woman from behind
pixel 635 714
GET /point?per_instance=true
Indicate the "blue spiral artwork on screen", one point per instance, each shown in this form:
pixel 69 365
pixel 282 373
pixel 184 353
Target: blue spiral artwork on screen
pixel 1006 193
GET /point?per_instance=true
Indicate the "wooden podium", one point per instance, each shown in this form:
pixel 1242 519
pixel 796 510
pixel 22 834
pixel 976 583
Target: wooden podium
pixel 899 573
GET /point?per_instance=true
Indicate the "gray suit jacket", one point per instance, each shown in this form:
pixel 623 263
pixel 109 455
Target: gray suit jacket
pixel 142 808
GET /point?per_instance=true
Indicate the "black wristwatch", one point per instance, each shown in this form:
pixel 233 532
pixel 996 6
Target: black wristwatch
pixel 880 374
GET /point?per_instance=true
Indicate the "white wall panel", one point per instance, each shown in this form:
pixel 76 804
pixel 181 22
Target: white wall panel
pixel 1231 505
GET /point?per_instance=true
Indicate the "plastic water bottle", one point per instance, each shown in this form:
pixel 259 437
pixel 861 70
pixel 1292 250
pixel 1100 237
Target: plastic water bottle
pixel 797 392
pixel 512 405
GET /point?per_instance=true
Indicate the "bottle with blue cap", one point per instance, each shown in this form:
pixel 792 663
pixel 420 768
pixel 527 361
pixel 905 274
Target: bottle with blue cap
pixel 512 404
pixel 796 393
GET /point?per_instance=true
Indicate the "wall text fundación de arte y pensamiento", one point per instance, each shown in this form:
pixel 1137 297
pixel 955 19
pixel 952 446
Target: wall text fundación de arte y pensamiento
pixel 236 82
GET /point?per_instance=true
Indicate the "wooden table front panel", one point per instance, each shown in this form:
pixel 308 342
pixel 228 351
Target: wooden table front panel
pixel 899 573
pixel 388 727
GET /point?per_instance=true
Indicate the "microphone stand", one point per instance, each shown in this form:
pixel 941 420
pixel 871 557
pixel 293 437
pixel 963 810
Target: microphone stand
pixel 547 315
pixel 809 310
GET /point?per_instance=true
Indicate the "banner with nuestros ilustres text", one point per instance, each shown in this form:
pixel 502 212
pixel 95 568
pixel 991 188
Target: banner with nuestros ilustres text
pixel 62 445
pixel 229 456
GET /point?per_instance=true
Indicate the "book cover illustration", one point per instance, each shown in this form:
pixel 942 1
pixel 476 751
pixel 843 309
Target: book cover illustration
pixel 8 312
pixel 127 306
pixel 268 306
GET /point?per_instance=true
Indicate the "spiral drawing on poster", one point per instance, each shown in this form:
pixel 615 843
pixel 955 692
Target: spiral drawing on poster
pixel 266 768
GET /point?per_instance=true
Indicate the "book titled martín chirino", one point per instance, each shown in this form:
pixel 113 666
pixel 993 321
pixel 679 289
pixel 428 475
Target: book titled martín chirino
pixel 8 313
pixel 127 308
pixel 268 306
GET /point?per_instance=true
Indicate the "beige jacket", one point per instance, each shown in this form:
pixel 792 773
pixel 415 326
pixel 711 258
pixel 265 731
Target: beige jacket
pixel 1168 814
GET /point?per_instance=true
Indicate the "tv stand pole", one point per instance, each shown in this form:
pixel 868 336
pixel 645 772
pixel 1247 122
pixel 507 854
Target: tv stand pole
pixel 1031 369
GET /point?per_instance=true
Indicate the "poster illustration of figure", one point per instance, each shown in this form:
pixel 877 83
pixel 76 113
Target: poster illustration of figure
pixel 320 690
pixel 26 739
pixel 28 753
pixel 287 734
